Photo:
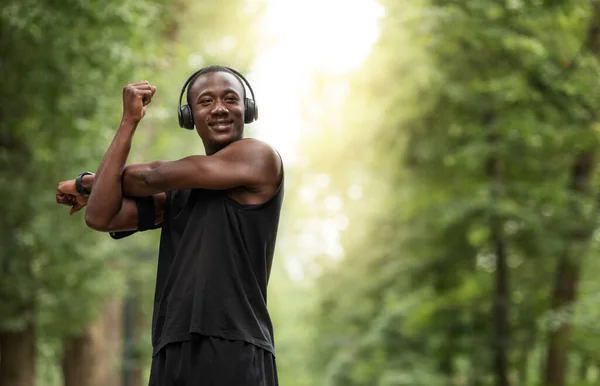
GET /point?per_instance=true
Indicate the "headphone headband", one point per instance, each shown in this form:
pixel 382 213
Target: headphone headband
pixel 184 117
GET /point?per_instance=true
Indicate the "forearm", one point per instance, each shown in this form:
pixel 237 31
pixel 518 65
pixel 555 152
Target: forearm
pixel 106 196
pixel 133 179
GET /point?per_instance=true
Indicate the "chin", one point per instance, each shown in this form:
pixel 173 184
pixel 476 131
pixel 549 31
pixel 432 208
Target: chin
pixel 225 137
pixel 218 140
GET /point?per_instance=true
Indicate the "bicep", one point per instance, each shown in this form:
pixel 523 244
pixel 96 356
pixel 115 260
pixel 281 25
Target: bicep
pixel 127 219
pixel 249 165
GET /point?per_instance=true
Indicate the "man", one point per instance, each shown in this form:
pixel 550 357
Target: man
pixel 219 216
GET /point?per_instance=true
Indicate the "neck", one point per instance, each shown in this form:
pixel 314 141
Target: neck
pixel 211 149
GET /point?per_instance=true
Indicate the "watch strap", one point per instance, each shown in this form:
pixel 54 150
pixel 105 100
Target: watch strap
pixel 79 186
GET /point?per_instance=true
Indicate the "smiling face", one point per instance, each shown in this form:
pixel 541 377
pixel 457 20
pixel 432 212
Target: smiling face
pixel 217 102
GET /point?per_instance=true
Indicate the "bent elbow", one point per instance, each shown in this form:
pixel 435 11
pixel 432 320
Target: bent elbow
pixel 151 180
pixel 139 182
pixel 95 223
pixel 152 175
pixel 155 175
pixel 148 179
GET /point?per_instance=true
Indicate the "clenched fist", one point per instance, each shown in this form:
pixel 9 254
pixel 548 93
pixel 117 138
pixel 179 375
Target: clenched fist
pixel 66 194
pixel 136 97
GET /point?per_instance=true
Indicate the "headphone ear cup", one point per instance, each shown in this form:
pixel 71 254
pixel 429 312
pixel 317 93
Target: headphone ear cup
pixel 180 116
pixel 250 112
pixel 186 118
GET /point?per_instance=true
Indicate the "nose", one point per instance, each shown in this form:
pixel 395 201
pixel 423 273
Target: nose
pixel 219 108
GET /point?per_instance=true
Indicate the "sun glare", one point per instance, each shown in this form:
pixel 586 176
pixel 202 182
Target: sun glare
pixel 301 39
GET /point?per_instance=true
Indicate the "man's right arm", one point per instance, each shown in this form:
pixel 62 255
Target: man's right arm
pixel 128 217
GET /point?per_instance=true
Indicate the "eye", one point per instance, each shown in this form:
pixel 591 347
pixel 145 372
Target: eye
pixel 231 99
pixel 205 101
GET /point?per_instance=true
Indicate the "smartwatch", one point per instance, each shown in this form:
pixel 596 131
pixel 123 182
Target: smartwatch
pixel 79 186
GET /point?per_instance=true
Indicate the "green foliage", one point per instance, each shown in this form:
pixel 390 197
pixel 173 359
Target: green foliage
pixel 65 64
pixel 61 61
pixel 476 84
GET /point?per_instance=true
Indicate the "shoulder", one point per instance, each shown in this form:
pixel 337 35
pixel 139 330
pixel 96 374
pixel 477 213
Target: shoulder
pixel 252 146
pixel 258 155
pixel 253 151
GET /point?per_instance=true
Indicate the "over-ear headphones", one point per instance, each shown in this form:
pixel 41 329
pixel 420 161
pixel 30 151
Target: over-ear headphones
pixel 186 116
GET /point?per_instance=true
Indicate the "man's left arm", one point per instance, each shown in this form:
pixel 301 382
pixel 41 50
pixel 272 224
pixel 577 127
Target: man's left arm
pixel 246 163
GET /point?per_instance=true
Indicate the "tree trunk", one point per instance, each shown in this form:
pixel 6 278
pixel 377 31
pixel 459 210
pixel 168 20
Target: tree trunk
pixel 568 269
pixel 80 358
pixel 567 277
pixel 113 343
pixel 446 364
pixel 501 303
pixel 137 325
pixel 583 367
pixel 523 364
pixel 501 297
pixel 526 348
pixel 92 358
pixel 17 362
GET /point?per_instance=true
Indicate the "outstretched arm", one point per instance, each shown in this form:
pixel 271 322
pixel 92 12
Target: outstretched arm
pixel 249 164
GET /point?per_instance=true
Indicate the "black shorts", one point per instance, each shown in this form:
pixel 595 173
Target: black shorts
pixel 210 361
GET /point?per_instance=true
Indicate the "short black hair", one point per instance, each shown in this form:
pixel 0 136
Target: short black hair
pixel 211 69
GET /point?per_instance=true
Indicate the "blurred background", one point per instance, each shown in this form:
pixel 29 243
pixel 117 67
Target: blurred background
pixel 440 225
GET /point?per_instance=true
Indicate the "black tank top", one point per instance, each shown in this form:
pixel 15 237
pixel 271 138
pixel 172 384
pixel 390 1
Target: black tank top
pixel 213 268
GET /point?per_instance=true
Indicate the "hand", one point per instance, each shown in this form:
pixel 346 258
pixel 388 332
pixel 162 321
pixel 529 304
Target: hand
pixel 66 194
pixel 136 97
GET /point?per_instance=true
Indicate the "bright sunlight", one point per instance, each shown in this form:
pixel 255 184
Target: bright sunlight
pixel 302 38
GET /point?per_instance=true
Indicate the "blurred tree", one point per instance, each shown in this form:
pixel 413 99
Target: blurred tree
pixel 579 234
pixel 466 144
pixel 60 62
pixel 65 65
